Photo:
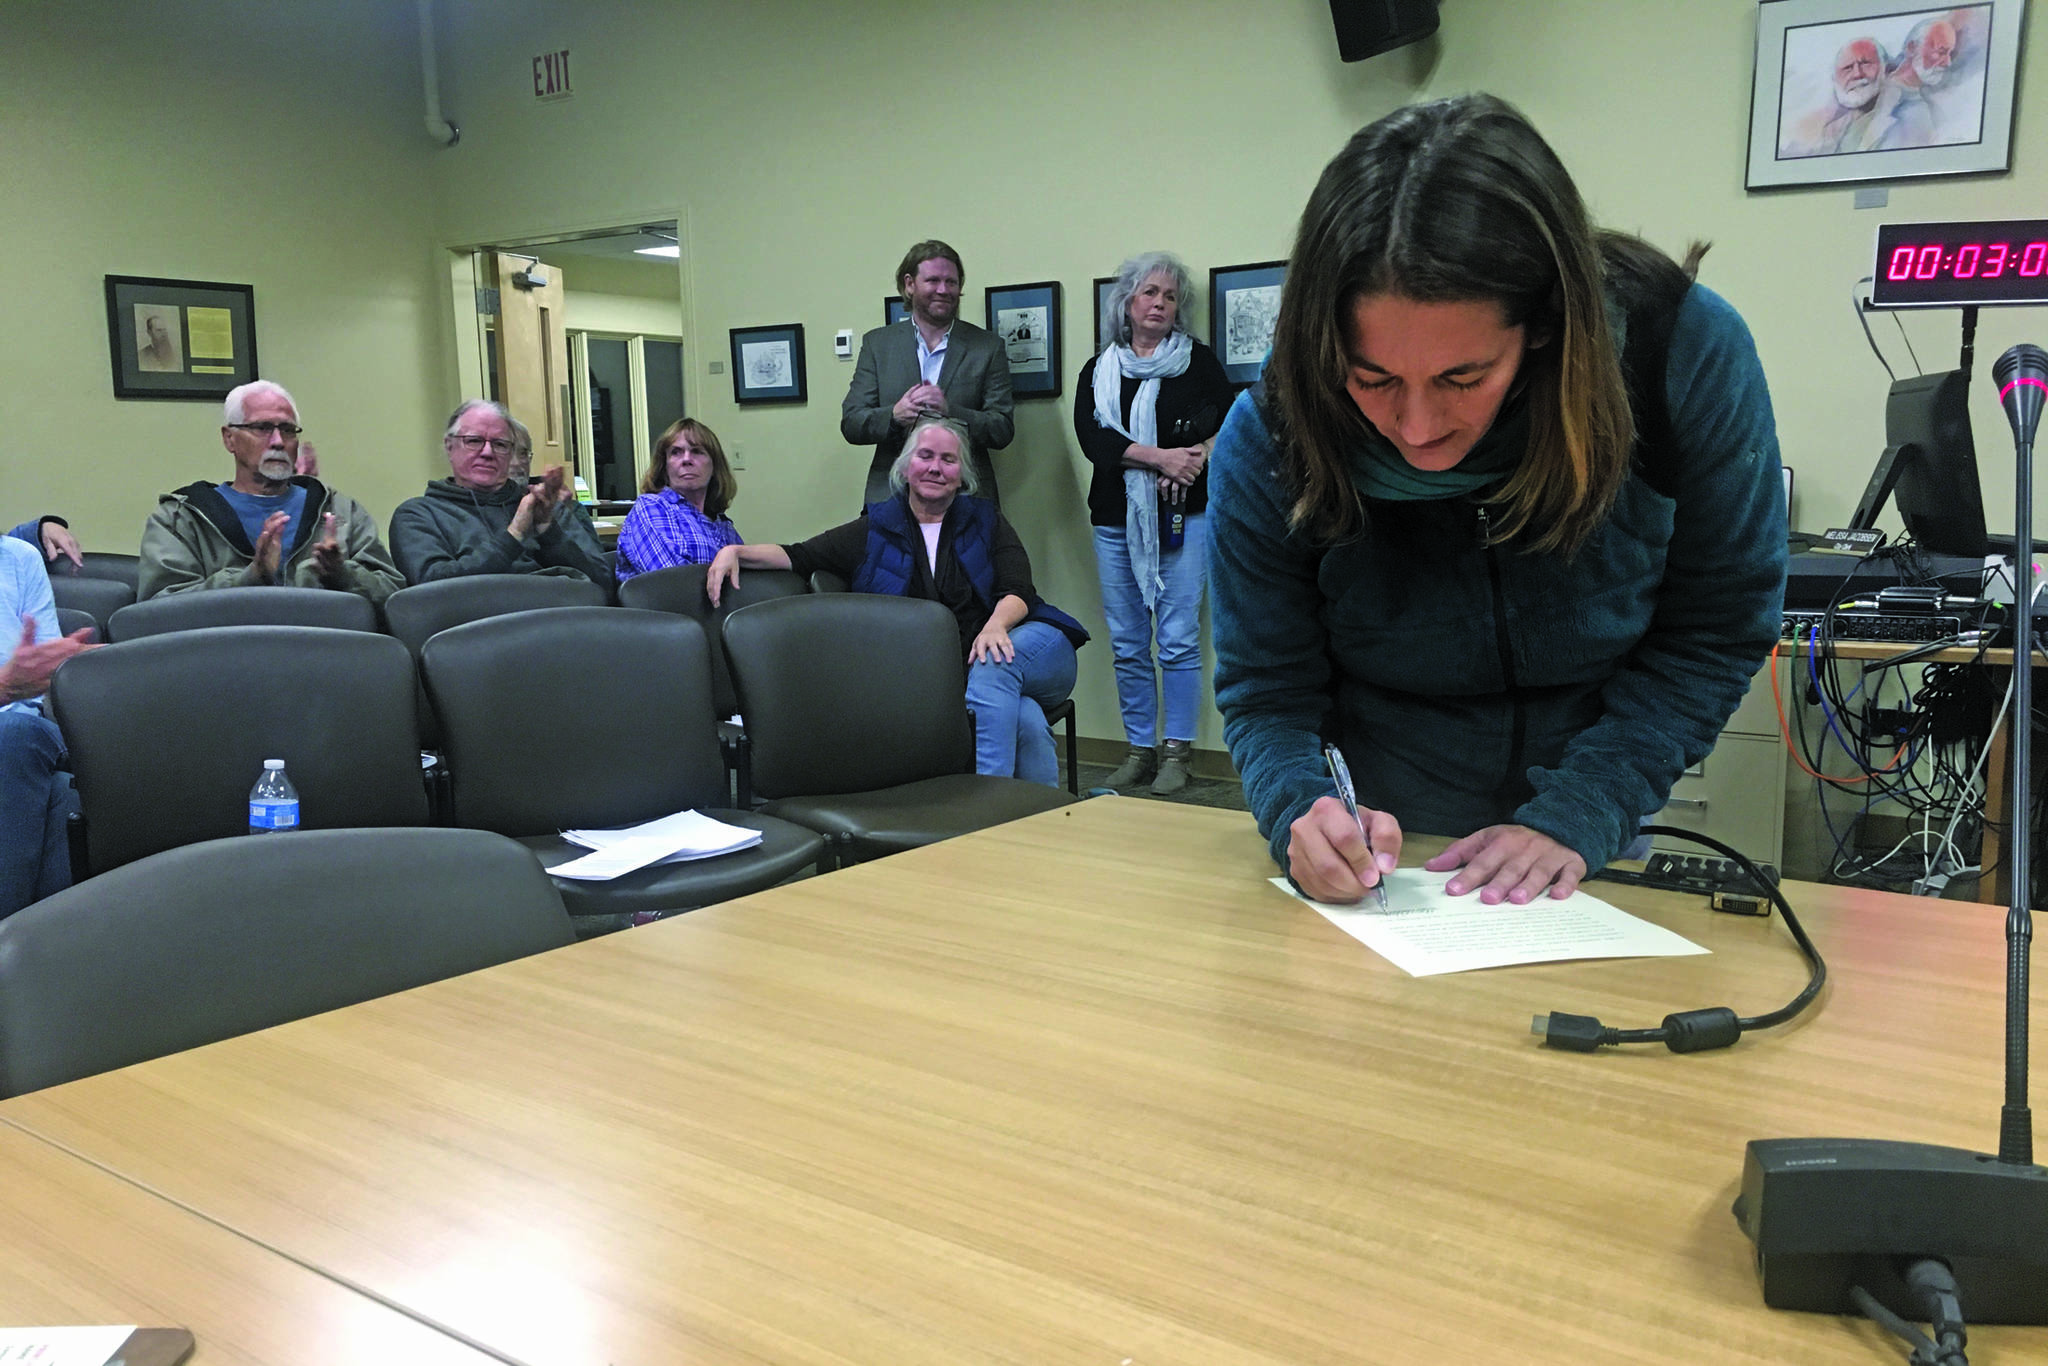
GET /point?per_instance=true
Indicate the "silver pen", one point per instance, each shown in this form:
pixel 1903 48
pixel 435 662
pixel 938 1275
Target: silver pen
pixel 1341 776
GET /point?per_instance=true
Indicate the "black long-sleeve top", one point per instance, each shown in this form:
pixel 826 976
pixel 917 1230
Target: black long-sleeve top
pixel 1198 397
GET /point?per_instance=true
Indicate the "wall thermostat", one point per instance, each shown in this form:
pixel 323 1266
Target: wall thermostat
pixel 842 343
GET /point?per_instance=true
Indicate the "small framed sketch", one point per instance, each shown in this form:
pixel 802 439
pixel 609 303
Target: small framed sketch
pixel 1244 303
pixel 1026 318
pixel 180 338
pixel 768 364
pixel 1851 90
pixel 894 310
pixel 1103 285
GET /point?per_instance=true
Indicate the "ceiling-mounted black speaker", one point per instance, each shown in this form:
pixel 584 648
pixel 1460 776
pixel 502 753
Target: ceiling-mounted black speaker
pixel 1366 28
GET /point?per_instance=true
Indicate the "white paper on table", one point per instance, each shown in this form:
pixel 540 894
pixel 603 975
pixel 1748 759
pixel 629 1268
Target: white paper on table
pixel 1425 930
pixel 81 1346
pixel 670 839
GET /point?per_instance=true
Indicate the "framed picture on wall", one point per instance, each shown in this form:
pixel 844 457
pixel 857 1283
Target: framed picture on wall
pixel 1103 284
pixel 1244 302
pixel 768 364
pixel 191 339
pixel 1881 89
pixel 894 310
pixel 1027 320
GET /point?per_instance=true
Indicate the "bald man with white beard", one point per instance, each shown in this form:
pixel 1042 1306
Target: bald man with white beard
pixel 1925 67
pixel 1860 110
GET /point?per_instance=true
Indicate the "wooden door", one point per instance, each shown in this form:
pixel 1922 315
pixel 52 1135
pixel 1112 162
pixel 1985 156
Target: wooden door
pixel 533 357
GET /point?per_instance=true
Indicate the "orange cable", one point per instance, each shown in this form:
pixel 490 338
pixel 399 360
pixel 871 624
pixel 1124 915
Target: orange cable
pixel 1785 734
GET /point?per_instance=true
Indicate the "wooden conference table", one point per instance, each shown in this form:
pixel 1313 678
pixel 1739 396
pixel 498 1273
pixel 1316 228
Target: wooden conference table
pixel 1083 1089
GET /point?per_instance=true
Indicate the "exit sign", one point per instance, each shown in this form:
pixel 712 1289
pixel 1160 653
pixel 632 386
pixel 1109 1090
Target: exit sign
pixel 551 76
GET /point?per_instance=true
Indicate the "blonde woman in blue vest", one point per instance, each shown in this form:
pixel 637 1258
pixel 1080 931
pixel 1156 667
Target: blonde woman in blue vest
pixel 934 539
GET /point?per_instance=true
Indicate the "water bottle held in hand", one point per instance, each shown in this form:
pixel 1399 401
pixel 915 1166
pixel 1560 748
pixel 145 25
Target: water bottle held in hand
pixel 273 802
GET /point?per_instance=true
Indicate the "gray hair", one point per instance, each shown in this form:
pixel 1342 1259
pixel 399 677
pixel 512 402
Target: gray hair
pixel 1116 313
pixel 899 473
pixel 521 464
pixel 470 405
pixel 236 409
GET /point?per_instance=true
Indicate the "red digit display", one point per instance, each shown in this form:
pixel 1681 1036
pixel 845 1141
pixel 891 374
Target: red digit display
pixel 1961 265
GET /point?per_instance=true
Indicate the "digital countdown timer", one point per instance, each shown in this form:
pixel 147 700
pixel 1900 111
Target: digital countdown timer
pixel 1948 265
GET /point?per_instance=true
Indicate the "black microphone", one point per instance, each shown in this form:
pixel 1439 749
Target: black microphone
pixel 1841 1221
pixel 2021 375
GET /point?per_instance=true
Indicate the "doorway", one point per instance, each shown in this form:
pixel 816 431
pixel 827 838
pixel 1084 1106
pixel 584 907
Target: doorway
pixel 582 338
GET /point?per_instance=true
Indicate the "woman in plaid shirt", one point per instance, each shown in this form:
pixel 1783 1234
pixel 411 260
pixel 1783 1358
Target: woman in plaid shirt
pixel 679 517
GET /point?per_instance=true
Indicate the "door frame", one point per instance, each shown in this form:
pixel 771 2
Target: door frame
pixel 459 259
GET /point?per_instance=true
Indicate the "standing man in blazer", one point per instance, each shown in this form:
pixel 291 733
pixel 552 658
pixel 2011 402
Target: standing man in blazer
pixel 932 364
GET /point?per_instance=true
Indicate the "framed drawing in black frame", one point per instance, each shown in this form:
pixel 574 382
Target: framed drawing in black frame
pixel 1244 302
pixel 192 339
pixel 768 364
pixel 1103 285
pixel 1026 319
pixel 894 309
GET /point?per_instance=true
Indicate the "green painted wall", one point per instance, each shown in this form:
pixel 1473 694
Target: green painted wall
pixel 802 145
pixel 277 145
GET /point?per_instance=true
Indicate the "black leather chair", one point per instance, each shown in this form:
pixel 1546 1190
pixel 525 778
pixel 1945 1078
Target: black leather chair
pixel 97 597
pixel 639 686
pixel 681 590
pixel 857 722
pixel 416 614
pixel 217 939
pixel 102 564
pixel 167 734
pixel 273 606
pixel 825 581
pixel 70 619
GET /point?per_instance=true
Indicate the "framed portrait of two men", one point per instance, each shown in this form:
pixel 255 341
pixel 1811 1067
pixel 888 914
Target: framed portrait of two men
pixel 1855 90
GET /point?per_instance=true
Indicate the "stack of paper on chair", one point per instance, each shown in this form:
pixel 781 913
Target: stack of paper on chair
pixel 671 839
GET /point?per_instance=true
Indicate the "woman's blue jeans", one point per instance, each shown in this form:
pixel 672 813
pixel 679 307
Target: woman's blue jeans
pixel 1009 701
pixel 1178 614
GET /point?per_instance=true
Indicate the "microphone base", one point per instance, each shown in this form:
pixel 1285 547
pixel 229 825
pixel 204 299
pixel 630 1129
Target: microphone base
pixel 1828 1214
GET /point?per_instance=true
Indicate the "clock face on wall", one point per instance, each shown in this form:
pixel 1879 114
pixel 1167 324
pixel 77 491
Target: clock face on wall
pixel 1946 265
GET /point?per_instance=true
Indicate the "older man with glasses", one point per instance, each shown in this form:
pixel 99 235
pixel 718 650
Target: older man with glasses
pixel 484 521
pixel 271 524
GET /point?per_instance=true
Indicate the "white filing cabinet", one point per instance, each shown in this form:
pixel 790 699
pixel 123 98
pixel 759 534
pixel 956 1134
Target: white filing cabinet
pixel 1737 793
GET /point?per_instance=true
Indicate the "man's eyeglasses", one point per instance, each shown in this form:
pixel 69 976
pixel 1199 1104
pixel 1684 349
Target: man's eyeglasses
pixel 498 445
pixel 288 430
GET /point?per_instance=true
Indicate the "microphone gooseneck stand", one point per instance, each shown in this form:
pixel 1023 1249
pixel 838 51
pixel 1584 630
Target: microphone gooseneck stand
pixel 1914 1232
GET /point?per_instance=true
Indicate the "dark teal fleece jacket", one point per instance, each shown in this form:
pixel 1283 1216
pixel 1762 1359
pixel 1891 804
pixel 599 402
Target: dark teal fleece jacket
pixel 1472 686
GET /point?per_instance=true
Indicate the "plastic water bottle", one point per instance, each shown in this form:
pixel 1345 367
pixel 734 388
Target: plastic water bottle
pixel 273 802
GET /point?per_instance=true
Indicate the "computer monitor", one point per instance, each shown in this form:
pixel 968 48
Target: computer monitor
pixel 1929 466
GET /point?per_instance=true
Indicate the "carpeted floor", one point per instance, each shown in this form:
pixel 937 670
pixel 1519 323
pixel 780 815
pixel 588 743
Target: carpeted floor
pixel 1226 794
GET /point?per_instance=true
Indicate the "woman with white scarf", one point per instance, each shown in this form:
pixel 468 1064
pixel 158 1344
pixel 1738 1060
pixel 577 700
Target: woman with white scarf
pixel 1145 411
